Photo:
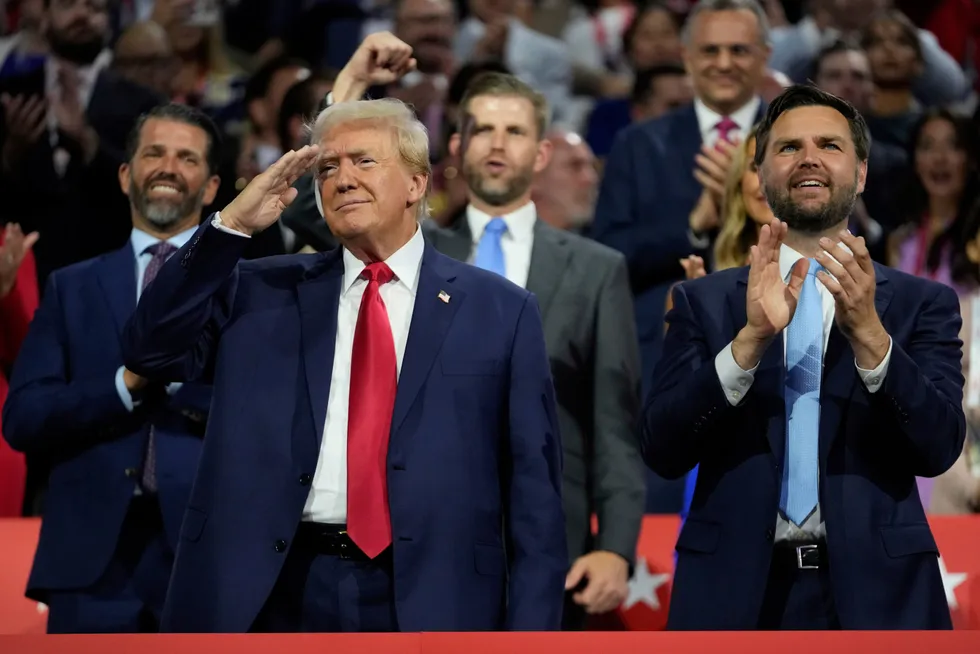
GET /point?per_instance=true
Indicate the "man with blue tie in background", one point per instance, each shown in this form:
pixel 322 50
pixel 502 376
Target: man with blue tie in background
pixel 383 451
pixel 811 388
pixel 123 451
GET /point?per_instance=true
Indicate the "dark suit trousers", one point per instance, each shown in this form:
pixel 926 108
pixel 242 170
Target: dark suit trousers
pixel 321 592
pixel 128 598
pixel 795 599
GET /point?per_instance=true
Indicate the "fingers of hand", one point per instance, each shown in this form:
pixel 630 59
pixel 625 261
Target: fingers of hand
pixel 859 248
pixel 709 182
pixel 715 169
pixel 840 263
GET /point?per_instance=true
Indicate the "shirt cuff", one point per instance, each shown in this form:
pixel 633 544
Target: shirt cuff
pixel 873 379
pixel 734 381
pixel 216 223
pixel 124 394
pixel 699 242
pixel 174 387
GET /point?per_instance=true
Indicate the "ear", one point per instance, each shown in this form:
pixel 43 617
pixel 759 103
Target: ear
pixel 543 158
pixel 211 189
pixel 862 176
pixel 416 190
pixel 124 177
pixel 454 142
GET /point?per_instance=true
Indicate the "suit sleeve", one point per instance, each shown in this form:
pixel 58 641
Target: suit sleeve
pixel 653 238
pixel 173 334
pixel 923 391
pixel 686 407
pixel 618 476
pixel 49 404
pixel 536 542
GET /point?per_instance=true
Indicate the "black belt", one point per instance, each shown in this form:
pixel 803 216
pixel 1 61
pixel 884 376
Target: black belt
pixel 330 540
pixel 802 556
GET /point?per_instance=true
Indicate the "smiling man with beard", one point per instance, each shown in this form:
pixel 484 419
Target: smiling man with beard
pixel 63 135
pixel 811 388
pixel 586 307
pixel 124 449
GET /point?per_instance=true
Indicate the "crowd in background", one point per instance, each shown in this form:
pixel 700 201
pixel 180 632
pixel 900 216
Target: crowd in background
pixel 637 162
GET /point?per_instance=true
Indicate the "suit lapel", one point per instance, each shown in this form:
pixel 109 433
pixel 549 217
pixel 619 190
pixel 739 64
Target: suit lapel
pixel 431 319
pixel 318 296
pixel 769 378
pixel 840 375
pixel 117 277
pixel 549 259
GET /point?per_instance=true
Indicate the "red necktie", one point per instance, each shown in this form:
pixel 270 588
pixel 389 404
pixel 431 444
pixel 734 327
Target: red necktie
pixel 725 127
pixel 373 383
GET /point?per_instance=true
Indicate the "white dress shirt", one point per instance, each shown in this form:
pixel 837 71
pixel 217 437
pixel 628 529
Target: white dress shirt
pixel 708 120
pixel 327 501
pixel 737 382
pixel 517 242
pixel 140 240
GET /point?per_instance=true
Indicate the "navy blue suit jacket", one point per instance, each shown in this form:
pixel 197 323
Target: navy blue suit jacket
pixel 474 459
pixel 883 559
pixel 647 193
pixel 64 410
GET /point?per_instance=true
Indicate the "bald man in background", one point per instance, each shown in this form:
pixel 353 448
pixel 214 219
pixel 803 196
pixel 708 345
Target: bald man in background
pixel 143 55
pixel 564 193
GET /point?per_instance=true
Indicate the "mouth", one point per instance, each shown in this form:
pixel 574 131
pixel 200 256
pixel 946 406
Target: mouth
pixel 350 204
pixel 165 189
pixel 495 166
pixel 809 183
pixel 941 176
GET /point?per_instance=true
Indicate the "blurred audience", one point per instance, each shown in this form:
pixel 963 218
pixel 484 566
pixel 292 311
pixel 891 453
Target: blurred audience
pixel 143 55
pixel 564 192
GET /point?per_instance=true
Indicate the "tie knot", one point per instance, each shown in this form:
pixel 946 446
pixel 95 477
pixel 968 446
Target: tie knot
pixel 814 268
pixel 161 250
pixel 378 272
pixel 496 226
pixel 725 126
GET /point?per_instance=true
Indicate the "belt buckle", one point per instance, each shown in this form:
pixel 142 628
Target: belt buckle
pixel 799 557
pixel 344 553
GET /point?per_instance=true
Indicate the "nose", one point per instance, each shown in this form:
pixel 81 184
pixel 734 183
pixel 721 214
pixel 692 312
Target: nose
pixel 724 59
pixel 810 156
pixel 345 178
pixel 498 139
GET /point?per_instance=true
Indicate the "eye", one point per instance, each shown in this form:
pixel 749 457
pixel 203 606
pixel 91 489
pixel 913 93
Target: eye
pixel 832 145
pixel 787 148
pixel 365 161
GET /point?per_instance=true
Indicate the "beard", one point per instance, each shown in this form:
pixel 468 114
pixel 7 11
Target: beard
pixel 497 192
pixel 82 52
pixel 815 220
pixel 164 214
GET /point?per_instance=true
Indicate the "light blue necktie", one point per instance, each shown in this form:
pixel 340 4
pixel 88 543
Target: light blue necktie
pixel 804 367
pixel 489 253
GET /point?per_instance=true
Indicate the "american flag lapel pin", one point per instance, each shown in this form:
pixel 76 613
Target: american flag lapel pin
pixel 444 296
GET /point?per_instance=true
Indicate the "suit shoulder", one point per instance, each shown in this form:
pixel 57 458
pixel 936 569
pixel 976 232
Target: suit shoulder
pixel 717 284
pixel 918 289
pixel 597 253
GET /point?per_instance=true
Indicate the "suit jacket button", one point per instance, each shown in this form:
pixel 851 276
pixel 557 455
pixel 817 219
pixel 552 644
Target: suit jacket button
pixel 770 535
pixel 280 546
pixel 305 479
pixel 130 472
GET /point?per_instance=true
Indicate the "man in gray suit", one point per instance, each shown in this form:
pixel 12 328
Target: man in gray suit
pixel 584 296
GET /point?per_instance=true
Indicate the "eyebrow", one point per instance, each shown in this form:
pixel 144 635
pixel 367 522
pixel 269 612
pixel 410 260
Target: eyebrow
pixel 328 157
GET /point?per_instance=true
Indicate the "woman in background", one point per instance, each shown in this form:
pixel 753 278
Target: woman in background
pixel 942 191
pixel 18 301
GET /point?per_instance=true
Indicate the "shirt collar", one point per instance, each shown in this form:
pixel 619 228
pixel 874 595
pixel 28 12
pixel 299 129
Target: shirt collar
pixel 520 223
pixel 142 240
pixel 404 263
pixel 744 117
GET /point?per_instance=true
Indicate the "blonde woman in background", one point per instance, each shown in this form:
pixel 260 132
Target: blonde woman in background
pixel 744 212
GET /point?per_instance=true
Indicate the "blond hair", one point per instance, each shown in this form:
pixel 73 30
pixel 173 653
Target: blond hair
pixel 738 231
pixel 504 85
pixel 411 136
